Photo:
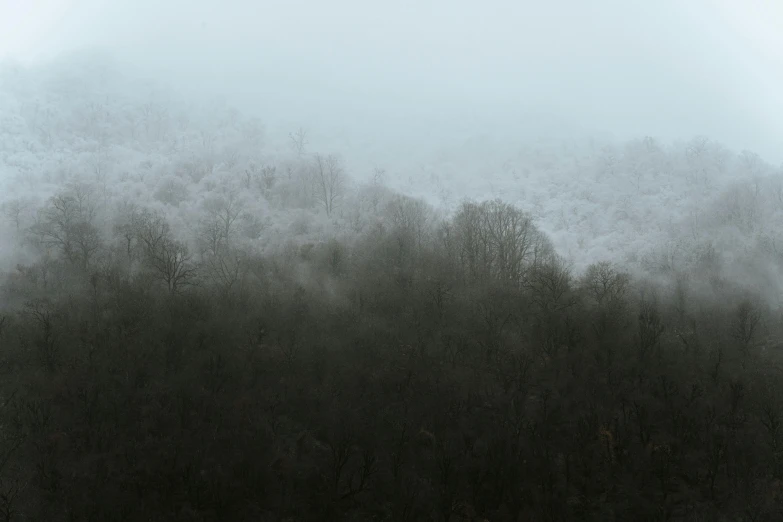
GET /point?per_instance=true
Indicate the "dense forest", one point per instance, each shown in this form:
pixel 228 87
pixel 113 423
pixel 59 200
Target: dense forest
pixel 200 325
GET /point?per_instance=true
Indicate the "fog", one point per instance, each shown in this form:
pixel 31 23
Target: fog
pixel 628 130
pixel 422 71
pixel 410 261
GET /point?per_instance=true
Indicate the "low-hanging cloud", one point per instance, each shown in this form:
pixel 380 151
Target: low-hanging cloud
pixel 671 69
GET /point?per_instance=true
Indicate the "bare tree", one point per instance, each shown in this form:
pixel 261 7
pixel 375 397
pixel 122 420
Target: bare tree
pixel 378 176
pixel 152 230
pixel 550 285
pixel 41 312
pixel 210 238
pixel 225 269
pixel 747 317
pixel 637 175
pixel 127 227
pixel 217 227
pixel 603 282
pixel 329 181
pixel 251 173
pixel 99 162
pixel 299 141
pixel 696 154
pixel 173 263
pixel 163 255
pixel 377 187
pixel 66 224
pixel 410 219
pixel 13 210
pixel 495 240
pixel 697 147
pixel 268 177
pixel 650 325
pixel 84 195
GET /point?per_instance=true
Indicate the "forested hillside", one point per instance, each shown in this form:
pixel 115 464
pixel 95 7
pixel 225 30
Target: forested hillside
pixel 644 203
pixel 203 319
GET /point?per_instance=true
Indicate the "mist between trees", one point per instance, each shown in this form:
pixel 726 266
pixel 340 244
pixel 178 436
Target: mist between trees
pixel 427 368
pixel 206 334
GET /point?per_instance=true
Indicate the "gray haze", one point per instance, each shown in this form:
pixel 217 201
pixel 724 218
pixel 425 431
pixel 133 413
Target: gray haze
pixel 422 69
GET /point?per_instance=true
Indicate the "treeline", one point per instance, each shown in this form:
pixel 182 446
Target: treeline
pixel 426 370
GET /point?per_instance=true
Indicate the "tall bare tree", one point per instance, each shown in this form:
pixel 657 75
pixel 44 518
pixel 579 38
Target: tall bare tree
pixel 495 240
pixel 217 228
pixel 225 270
pixel 328 181
pixel 173 263
pixel 168 259
pixel 66 225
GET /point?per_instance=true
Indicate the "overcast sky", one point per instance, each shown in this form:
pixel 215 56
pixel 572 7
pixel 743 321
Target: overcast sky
pixel 670 68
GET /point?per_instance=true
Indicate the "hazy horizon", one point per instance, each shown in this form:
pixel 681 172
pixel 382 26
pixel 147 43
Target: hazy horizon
pixel 290 260
pixel 419 70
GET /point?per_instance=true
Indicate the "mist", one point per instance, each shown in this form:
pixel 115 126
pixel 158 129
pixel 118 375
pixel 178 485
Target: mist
pixel 422 72
pixel 420 261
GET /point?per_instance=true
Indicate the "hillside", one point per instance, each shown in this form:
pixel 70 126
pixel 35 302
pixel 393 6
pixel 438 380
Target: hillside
pixel 644 203
pixel 204 319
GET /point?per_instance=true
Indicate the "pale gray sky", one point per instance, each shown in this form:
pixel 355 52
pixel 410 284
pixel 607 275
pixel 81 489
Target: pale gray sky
pixel 671 68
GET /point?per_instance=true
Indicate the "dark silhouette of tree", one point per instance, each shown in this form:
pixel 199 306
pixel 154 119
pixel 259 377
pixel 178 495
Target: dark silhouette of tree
pixel 431 369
